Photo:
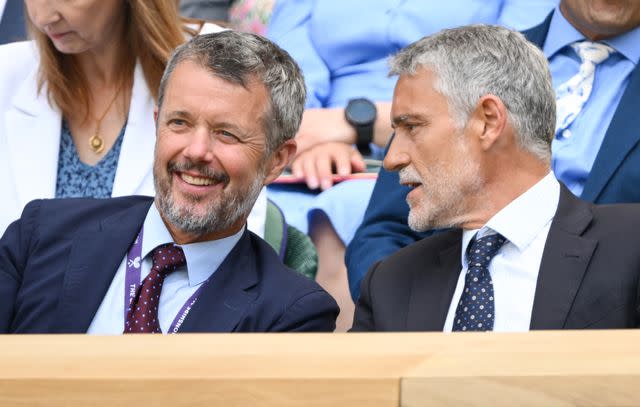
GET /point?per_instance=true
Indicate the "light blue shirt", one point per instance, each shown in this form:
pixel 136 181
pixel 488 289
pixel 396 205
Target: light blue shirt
pixel 525 223
pixel 574 152
pixel 203 259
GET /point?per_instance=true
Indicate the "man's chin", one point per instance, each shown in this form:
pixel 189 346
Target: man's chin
pixel 418 222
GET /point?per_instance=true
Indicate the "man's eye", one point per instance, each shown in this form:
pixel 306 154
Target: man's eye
pixel 177 122
pixel 229 137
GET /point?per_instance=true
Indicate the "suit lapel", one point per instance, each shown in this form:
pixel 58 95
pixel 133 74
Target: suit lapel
pixel 433 286
pixel 620 139
pixel 225 298
pixel 135 164
pixel 564 261
pixel 39 135
pixel 94 259
pixel 538 34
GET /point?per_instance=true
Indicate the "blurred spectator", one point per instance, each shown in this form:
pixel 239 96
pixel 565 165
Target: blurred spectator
pixel 209 10
pixel 251 15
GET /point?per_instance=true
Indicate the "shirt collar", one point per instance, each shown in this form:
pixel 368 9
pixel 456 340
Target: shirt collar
pixel 562 33
pixel 522 219
pixel 203 258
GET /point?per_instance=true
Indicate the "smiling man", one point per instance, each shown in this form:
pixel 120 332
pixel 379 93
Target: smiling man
pixel 474 117
pixel 229 106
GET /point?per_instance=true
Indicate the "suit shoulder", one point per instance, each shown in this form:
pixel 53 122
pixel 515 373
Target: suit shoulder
pixel 623 216
pixel 71 214
pixel 424 251
pixel 88 204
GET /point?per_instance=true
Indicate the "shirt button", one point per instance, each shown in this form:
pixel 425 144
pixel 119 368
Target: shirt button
pixel 566 133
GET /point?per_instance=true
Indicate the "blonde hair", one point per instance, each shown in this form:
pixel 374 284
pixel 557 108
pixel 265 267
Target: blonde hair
pixel 152 30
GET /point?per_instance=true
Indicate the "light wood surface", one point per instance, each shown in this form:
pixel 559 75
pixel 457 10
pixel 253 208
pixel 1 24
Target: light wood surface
pixel 540 368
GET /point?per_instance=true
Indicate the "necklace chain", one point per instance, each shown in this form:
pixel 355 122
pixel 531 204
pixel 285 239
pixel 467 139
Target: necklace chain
pixel 96 142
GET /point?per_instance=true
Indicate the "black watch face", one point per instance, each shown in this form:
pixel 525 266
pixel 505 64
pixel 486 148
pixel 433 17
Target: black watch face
pixel 361 112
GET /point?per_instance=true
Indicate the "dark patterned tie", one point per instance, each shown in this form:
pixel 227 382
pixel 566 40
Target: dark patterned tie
pixel 475 311
pixel 143 314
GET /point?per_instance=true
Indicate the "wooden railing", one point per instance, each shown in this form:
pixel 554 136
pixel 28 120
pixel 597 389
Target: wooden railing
pixel 530 369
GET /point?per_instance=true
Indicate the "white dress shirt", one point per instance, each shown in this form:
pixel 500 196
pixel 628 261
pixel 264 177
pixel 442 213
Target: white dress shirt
pixel 525 224
pixel 203 259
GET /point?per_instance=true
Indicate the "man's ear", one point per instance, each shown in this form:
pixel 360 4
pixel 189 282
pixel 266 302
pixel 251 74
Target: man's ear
pixel 279 160
pixel 155 114
pixel 489 120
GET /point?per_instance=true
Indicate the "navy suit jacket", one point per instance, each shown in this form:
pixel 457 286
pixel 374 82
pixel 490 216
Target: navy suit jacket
pixel 12 22
pixel 614 178
pixel 58 260
pixel 588 275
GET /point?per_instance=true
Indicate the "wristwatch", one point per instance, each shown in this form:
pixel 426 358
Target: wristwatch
pixel 361 114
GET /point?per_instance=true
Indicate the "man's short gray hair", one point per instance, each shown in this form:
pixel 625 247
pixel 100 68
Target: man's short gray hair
pixel 472 61
pixel 241 57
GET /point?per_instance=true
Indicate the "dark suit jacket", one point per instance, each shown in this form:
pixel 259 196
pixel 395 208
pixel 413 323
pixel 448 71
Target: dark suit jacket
pixel 588 276
pixel 614 178
pixel 58 260
pixel 12 22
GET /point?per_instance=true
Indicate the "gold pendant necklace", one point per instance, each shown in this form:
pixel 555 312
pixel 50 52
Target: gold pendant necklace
pixel 96 142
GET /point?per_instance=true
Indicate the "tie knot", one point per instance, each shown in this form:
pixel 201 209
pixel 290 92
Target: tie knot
pixel 167 257
pixel 482 250
pixel 593 52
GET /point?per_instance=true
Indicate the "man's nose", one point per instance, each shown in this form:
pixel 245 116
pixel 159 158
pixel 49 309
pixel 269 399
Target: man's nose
pixel 200 146
pixel 396 157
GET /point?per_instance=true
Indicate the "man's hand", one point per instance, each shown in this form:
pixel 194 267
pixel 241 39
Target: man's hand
pixel 318 164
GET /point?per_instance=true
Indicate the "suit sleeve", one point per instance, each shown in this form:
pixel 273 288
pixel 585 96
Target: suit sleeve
pixel 13 257
pixel 314 311
pixel 383 231
pixel 363 318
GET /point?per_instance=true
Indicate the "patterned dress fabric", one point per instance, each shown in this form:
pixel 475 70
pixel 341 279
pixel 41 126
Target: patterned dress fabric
pixel 476 309
pixel 143 314
pixel 251 15
pixel 572 95
pixel 79 180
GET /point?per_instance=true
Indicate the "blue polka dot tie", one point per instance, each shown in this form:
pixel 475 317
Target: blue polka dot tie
pixel 143 314
pixel 475 311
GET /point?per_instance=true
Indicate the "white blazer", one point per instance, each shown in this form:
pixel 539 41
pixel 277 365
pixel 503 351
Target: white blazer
pixel 30 139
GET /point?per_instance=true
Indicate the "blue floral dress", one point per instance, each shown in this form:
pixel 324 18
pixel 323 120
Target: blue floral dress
pixel 79 180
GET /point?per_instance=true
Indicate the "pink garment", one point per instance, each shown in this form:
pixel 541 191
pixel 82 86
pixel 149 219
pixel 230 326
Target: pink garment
pixel 251 15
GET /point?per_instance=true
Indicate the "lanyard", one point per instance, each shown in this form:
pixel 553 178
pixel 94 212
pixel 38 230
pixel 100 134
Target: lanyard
pixel 132 285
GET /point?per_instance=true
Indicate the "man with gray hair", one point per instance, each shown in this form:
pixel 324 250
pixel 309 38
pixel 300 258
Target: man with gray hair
pixel 474 114
pixel 229 106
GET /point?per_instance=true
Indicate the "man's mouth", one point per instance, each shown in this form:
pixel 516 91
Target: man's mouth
pixel 196 180
pixel 411 185
pixel 198 175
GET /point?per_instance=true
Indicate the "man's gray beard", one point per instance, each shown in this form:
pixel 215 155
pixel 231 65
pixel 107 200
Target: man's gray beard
pixel 220 215
pixel 452 191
